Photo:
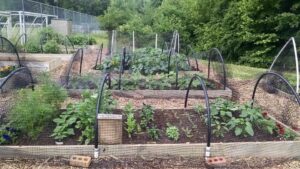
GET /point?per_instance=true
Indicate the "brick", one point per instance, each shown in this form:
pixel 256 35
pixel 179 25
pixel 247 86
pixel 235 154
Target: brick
pixel 80 161
pixel 215 162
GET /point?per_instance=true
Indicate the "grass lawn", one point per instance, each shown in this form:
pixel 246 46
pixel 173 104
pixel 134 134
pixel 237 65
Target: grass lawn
pixel 243 72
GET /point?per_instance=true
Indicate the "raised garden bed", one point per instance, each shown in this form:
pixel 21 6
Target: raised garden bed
pixel 154 86
pixel 36 62
pixel 191 127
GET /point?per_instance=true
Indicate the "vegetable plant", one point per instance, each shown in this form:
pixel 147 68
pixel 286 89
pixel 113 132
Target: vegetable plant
pixel 172 132
pixel 33 110
pixel 187 131
pixel 81 117
pixel 153 133
pixel 147 116
pixel 241 119
pixel 131 126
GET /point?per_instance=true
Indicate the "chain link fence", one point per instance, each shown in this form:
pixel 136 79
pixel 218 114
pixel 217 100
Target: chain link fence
pixel 23 16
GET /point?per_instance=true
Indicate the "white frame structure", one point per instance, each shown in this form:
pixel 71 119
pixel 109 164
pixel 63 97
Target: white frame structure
pixel 26 14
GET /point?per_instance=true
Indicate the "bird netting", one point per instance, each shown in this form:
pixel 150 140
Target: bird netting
pixel 23 37
pixel 74 68
pixel 216 67
pixel 8 50
pixel 286 63
pixel 19 78
pixel 277 99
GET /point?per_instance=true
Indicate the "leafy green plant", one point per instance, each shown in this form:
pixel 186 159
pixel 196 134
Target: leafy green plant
pixel 82 39
pixel 81 116
pixel 7 135
pixel 33 46
pixel 51 46
pixel 153 133
pixel 33 110
pixel 131 125
pixel 229 116
pixel 172 132
pixel 187 132
pixel 289 135
pixel 199 108
pixel 147 116
pixel 6 70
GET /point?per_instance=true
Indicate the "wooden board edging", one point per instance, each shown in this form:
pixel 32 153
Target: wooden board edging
pixel 162 94
pixel 276 149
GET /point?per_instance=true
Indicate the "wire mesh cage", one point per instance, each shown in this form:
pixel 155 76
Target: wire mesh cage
pixel 73 69
pixel 286 63
pixel 7 49
pixel 216 67
pixel 19 78
pixel 278 100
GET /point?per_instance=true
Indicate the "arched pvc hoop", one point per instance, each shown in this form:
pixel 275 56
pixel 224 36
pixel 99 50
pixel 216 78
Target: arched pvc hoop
pixel 292 39
pixel 79 51
pixel 121 69
pixel 66 44
pixel 223 65
pixel 99 101
pixel 13 47
pixel 16 71
pixel 99 56
pixel 20 37
pixel 207 152
pixel 280 77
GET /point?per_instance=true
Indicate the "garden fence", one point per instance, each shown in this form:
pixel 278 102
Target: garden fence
pixel 135 40
pixel 24 16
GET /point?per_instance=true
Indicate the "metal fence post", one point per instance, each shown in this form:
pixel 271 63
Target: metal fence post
pixel 133 42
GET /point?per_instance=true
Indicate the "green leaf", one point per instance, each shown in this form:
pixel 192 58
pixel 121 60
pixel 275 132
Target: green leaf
pixel 238 131
pixel 249 130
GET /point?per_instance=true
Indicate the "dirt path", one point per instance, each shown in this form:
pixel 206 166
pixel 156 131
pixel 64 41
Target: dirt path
pixel 150 163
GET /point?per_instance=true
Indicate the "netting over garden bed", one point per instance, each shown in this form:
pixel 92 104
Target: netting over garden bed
pixel 286 63
pixel 7 49
pixel 74 68
pixel 19 78
pixel 279 100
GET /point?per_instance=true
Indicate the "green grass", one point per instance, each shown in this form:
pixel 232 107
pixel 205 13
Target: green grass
pixel 101 37
pixel 240 72
pixel 243 72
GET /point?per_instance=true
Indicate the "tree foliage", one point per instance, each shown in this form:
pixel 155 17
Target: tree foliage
pixel 247 31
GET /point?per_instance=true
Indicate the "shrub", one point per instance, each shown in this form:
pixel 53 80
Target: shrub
pixel 33 47
pixel 33 110
pixel 51 47
pixel 48 34
pixel 81 39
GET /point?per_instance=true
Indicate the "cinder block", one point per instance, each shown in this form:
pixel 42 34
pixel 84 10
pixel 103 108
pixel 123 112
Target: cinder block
pixel 80 161
pixel 215 162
